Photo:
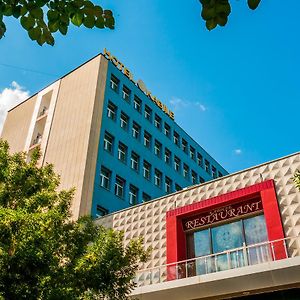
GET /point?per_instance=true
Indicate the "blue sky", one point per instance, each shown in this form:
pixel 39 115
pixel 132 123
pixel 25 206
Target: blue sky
pixel 235 89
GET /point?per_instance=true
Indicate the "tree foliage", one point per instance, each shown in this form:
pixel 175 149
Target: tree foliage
pixel 46 255
pixel 296 179
pixel 42 18
pixel 216 12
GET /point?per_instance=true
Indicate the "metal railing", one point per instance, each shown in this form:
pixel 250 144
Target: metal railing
pixel 230 259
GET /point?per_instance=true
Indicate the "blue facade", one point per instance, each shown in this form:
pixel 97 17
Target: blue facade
pixel 130 177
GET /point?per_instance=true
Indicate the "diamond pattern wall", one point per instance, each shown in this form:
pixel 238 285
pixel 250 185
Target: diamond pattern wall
pixel 148 220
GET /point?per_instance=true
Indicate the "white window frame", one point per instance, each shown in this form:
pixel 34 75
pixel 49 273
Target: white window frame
pixel 122 152
pixel 105 178
pixel 119 187
pixel 108 145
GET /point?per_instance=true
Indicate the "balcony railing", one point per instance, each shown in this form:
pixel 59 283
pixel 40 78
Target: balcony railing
pixel 43 112
pixel 231 259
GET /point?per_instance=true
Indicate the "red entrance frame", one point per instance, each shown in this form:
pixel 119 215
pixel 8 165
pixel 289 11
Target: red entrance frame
pixel 176 238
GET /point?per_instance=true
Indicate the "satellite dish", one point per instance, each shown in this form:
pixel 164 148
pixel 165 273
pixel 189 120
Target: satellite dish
pixel 142 86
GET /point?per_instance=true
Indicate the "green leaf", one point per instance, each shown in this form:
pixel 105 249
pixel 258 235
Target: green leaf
pixel 2 29
pixel 37 13
pixel 253 4
pixel 34 33
pixel 8 11
pixel 99 22
pixel 77 19
pixel 63 29
pixel 53 26
pixel 222 20
pixel 27 22
pixel 89 21
pixel 16 11
pixel 211 24
pixel 52 15
pixel 208 13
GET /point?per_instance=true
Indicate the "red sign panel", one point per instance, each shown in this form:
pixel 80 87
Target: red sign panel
pixel 223 213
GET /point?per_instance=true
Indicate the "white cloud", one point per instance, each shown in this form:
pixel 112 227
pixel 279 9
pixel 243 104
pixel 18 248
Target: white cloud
pixel 178 103
pixel 10 97
pixel 238 151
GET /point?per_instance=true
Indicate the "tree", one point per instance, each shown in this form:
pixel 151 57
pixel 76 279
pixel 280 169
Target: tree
pixel 296 179
pixel 216 12
pixel 42 18
pixel 46 255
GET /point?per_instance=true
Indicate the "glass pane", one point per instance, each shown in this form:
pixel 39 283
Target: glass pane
pixel 202 242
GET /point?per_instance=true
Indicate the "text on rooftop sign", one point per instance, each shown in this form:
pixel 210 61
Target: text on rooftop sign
pixel 138 83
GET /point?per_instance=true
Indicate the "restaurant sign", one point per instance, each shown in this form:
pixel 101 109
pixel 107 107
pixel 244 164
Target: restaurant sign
pixel 223 213
pixel 139 83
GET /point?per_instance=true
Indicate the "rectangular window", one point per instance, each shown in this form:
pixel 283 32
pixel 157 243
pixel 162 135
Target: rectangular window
pixel 157 148
pixel 135 161
pixel 176 138
pixel 111 110
pixel 157 122
pixel 137 103
pixel 133 195
pixel 207 166
pixel 201 180
pixel 146 170
pixel 184 145
pixel 136 130
pixel 124 121
pixel 122 152
pixel 200 160
pixel 167 156
pixel 147 139
pixel 192 153
pixel 146 197
pixel 119 186
pixel 114 83
pixel 101 211
pixel 186 171
pixel 157 178
pixel 105 176
pixel 177 163
pixel 194 177
pixel 168 185
pixel 167 130
pixel 178 187
pixel 126 92
pixel 213 172
pixel 108 142
pixel 148 113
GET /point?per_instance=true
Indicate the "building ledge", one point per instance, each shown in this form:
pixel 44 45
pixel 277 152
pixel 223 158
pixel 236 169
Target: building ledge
pixel 243 281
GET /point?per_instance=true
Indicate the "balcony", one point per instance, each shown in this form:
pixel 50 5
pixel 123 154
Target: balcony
pixel 237 272
pixel 42 114
pixel 37 141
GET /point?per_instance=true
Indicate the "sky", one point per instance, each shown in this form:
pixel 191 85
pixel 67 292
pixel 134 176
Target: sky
pixel 235 89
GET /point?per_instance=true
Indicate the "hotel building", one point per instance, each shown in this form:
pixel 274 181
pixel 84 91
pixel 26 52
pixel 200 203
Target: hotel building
pixel 108 137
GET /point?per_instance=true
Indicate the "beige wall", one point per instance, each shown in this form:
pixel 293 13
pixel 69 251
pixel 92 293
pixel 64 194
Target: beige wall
pixel 17 124
pixel 73 137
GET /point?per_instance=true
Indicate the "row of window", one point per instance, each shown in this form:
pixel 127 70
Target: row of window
pixel 166 155
pixel 148 114
pixel 120 187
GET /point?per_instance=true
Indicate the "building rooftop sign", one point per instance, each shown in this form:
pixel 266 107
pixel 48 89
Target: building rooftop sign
pixel 139 83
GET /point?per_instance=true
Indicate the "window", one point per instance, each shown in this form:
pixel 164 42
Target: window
pixel 105 176
pixel 168 185
pixel 194 177
pixel 201 180
pixel 167 130
pixel 147 139
pixel 136 130
pixel 111 110
pixel 157 178
pixel 114 83
pixel 124 121
pixel 146 170
pixel 213 171
pixel 157 148
pixel 186 170
pixel 192 153
pixel 176 138
pixel 133 194
pixel 135 160
pixel 220 174
pixel 207 166
pixel 148 113
pixel 178 187
pixel 137 103
pixel 101 211
pixel 184 145
pixel 157 122
pixel 108 142
pixel 122 152
pixel 177 163
pixel 167 156
pixel 126 92
pixel 146 197
pixel 119 186
pixel 200 160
